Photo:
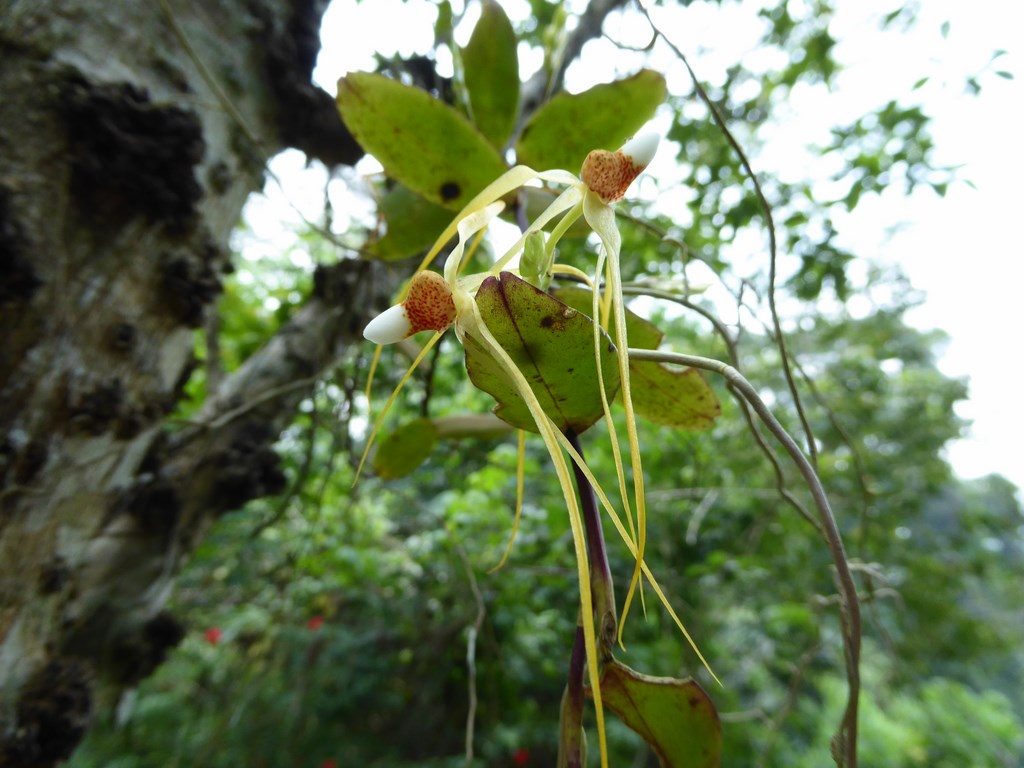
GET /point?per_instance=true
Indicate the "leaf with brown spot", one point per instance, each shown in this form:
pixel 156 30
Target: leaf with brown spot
pixel 551 344
pixel 422 142
pixel 672 397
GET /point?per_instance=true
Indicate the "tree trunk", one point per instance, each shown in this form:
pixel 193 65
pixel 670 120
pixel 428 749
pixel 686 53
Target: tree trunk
pixel 131 134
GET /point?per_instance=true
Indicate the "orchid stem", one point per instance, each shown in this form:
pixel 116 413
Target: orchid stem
pixel 571 748
pixel 602 587
pixel 571 744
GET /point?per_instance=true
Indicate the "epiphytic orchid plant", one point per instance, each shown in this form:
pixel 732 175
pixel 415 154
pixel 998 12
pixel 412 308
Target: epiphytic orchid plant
pixel 552 368
pixel 541 353
pixel 434 302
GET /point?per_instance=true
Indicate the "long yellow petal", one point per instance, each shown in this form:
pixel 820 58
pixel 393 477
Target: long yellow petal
pixel 550 434
pixel 563 202
pixel 617 522
pixel 510 180
pixel 467 227
pixel 602 219
pixel 520 483
pixel 387 406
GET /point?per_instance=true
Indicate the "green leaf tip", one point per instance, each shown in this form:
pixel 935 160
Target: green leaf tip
pixel 420 141
pixel 568 127
pixel 491 64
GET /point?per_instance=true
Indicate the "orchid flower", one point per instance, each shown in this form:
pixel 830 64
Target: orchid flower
pixel 434 302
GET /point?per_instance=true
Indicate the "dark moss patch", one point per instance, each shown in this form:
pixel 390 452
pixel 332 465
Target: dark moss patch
pixel 92 407
pixel 308 117
pixel 54 711
pixel 132 157
pixel 19 281
pixel 54 574
pixel 155 504
pixel 137 656
pixel 122 337
pixel 247 469
pixel 219 177
pixel 188 282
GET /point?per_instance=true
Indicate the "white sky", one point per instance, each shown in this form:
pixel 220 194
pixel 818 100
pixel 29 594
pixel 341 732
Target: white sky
pixel 962 250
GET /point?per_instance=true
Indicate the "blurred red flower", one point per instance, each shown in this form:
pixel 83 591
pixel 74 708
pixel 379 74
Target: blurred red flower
pixel 213 635
pixel 521 756
pixel 315 623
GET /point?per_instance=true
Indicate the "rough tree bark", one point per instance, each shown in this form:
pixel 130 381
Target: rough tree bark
pixel 131 134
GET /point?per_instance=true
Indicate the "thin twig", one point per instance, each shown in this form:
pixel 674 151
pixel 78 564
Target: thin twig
pixel 472 633
pixel 845 741
pixel 792 692
pixel 732 347
pixel 766 211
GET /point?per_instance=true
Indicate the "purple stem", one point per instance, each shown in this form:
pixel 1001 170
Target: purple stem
pixel 601 584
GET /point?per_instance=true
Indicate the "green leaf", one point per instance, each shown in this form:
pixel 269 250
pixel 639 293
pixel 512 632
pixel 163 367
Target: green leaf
pixel 552 344
pixel 421 142
pixel 643 334
pixel 444 26
pixel 412 224
pixel 491 67
pixel 672 397
pixel 675 717
pixel 666 396
pixel 562 132
pixel 403 450
pixel 477 426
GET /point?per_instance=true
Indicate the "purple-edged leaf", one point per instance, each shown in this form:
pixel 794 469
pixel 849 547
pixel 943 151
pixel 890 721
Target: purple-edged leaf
pixel 675 717
pixel 552 344
pixel 672 397
pixel 643 334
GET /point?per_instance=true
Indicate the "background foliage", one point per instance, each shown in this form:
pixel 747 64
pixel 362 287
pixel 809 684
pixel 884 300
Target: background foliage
pixel 329 626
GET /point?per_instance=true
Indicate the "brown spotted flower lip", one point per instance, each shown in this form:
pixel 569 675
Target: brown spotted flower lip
pixel 429 304
pixel 428 307
pixel 609 174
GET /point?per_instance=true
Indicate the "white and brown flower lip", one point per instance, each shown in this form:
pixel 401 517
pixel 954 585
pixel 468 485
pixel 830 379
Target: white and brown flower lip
pixel 428 307
pixel 609 174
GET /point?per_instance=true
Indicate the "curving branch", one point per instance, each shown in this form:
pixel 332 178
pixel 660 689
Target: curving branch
pixel 845 740
pixel 766 211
